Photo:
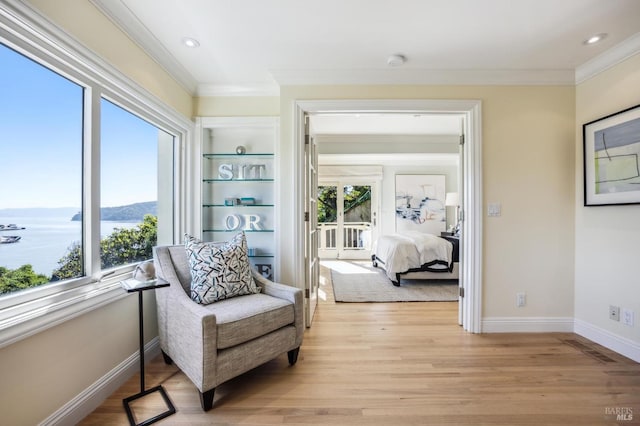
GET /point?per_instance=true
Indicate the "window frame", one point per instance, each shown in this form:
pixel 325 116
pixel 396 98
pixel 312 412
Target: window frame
pixel 30 311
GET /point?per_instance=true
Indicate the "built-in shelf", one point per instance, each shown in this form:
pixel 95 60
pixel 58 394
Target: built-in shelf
pixel 237 230
pixel 237 206
pixel 238 162
pixel 236 156
pixel 236 180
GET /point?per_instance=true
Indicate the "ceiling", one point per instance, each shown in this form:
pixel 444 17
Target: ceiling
pixel 253 47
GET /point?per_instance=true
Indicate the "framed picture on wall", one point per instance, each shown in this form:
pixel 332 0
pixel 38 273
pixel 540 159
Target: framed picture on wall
pixel 612 159
pixel 420 203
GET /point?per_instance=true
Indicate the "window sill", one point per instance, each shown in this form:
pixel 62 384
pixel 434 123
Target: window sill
pixel 25 321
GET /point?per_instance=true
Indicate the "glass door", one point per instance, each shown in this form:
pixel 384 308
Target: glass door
pixel 347 219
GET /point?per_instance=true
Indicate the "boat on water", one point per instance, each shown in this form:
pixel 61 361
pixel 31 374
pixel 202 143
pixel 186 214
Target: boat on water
pixel 11 227
pixel 9 239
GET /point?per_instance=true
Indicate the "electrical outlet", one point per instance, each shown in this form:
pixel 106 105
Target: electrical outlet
pixel 614 312
pixel 521 299
pixel 627 317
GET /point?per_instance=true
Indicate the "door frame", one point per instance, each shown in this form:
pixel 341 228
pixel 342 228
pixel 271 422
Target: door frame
pixel 471 209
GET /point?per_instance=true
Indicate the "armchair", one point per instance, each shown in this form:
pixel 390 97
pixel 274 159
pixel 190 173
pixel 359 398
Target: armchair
pixel 217 342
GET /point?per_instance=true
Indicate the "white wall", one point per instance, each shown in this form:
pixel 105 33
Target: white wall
pixel 607 266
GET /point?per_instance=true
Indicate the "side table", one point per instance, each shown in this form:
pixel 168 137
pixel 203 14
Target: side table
pixel 132 286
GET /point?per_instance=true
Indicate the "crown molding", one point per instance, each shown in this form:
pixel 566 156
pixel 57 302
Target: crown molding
pixel 238 90
pixel 408 76
pixel 359 77
pixel 608 59
pixel 123 18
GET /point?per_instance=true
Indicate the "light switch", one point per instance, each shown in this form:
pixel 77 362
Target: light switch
pixel 494 209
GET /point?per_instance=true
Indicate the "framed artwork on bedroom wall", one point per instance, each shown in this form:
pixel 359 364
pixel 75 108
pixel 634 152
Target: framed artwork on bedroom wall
pixel 611 159
pixel 420 203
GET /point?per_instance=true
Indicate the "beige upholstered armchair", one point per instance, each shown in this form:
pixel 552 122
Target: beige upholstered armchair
pixel 214 343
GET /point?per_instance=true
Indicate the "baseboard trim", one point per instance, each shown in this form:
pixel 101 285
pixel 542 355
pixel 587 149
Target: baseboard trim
pixel 89 399
pixel 527 325
pixel 616 343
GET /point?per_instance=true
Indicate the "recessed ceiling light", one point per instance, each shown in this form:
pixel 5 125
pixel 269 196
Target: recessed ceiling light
pixel 190 42
pixel 595 38
pixel 396 60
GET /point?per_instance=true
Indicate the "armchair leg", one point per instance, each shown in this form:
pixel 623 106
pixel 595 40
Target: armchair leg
pixel 167 358
pixel 206 399
pixel 293 355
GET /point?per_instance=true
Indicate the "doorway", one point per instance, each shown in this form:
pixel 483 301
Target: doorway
pixel 470 220
pixel 347 218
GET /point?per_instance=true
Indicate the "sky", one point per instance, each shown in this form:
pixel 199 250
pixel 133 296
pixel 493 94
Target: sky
pixel 41 142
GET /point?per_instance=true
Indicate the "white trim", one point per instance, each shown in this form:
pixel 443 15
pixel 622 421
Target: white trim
pixel 421 76
pixel 471 220
pixel 408 159
pixel 471 239
pixel 621 345
pixel 527 325
pixel 54 310
pixel 608 59
pixel 205 89
pixel 93 396
pixel 561 77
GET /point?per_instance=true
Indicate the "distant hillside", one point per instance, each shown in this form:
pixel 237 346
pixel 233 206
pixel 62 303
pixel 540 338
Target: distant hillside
pixel 125 213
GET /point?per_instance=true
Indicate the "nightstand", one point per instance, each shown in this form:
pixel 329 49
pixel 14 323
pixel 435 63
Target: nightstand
pixel 455 240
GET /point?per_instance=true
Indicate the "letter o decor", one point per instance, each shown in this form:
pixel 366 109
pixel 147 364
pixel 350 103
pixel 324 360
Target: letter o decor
pixel 233 222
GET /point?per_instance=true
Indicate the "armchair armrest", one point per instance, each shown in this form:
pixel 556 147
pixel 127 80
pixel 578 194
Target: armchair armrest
pixel 286 292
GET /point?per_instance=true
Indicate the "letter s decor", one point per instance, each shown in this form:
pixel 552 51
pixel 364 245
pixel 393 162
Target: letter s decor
pixel 225 171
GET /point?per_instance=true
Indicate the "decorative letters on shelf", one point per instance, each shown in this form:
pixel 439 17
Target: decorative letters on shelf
pixel 246 222
pixel 242 171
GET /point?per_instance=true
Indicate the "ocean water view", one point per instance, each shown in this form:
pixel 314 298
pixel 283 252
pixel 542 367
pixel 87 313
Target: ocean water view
pixel 45 240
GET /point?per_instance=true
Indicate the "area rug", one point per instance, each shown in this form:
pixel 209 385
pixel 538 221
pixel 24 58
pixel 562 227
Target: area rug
pixel 356 281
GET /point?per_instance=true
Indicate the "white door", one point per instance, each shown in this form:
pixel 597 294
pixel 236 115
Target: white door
pixel 312 262
pixel 461 186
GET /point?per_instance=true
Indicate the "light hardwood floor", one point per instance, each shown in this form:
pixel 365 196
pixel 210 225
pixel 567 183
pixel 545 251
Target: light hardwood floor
pixel 406 364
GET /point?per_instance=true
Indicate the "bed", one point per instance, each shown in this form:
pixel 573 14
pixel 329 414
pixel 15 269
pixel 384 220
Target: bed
pixel 416 255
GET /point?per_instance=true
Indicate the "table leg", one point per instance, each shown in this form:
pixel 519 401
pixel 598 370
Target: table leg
pixel 141 325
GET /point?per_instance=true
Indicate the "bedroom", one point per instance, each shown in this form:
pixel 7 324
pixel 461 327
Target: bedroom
pixel 381 153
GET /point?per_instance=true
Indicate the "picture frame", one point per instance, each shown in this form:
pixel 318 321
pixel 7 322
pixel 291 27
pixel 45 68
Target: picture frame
pixel 612 159
pixel 420 203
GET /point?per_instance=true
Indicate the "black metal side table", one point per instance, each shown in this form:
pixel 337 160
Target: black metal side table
pixel 132 286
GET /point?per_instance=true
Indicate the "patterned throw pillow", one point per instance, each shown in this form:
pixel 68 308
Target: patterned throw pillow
pixel 219 270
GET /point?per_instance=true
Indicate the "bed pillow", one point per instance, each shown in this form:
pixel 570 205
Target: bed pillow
pixel 219 270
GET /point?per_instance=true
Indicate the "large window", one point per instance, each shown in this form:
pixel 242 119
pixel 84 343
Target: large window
pixel 128 186
pixel 40 172
pixel 88 177
pixel 41 191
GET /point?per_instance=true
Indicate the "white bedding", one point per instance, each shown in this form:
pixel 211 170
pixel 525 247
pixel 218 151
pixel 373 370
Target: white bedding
pixel 401 253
